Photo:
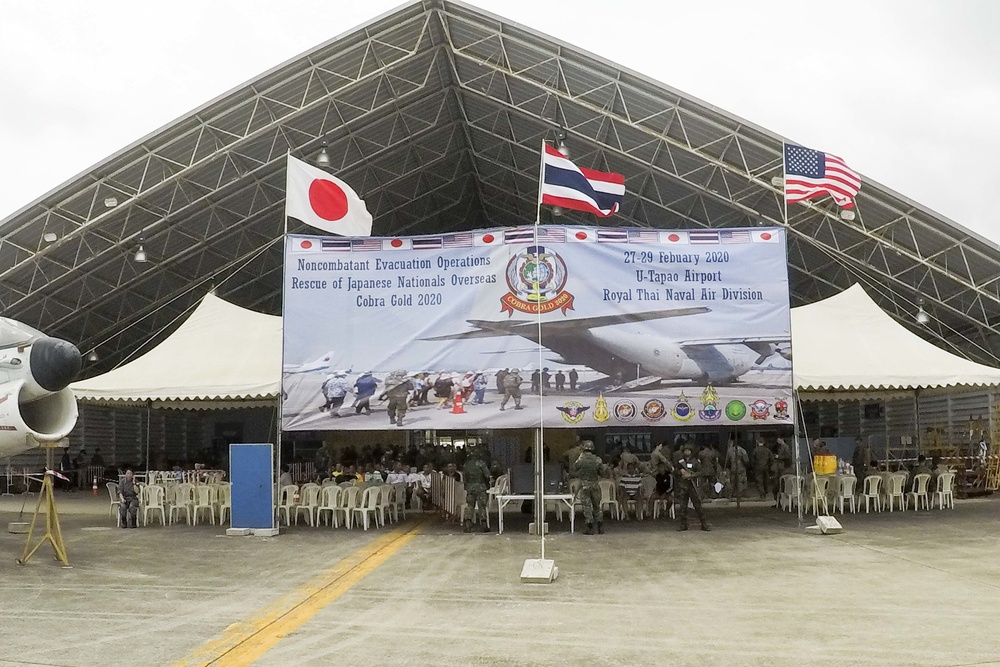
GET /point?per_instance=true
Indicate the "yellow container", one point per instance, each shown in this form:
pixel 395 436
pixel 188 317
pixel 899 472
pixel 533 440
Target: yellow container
pixel 825 464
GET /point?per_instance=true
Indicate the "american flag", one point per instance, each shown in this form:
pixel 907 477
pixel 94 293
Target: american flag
pixel 810 174
pixel 734 236
pixel 336 245
pixel 643 236
pixel 460 240
pixel 550 234
pixel 429 243
pixel 698 236
pixel 367 245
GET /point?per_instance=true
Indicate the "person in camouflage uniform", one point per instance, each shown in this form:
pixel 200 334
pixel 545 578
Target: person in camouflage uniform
pixel 736 465
pixel 763 464
pixel 586 468
pixel 476 476
pixel 689 471
pixel 397 390
pixel 709 458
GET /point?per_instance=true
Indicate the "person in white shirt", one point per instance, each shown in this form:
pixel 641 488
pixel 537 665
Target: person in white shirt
pixel 422 486
pixel 286 477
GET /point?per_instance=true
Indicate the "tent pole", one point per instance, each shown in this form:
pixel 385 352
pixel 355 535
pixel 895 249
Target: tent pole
pixel 149 416
pixel 798 456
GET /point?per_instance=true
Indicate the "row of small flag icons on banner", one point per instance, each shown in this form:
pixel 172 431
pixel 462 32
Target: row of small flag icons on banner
pixel 544 235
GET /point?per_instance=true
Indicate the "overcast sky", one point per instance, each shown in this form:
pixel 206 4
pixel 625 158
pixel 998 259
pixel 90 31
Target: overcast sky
pixel 908 92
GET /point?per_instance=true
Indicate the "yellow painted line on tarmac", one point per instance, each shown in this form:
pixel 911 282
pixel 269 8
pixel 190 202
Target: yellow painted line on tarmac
pixel 247 640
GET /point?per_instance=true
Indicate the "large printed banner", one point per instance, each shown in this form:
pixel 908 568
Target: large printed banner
pixel 557 326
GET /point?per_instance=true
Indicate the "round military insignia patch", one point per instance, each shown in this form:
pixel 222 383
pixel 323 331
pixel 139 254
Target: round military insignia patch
pixel 654 410
pixel 736 410
pixel 625 410
pixel 573 411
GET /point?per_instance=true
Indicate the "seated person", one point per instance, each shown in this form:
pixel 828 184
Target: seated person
pixel 373 475
pixel 664 485
pixel 451 470
pixel 422 486
pixel 128 498
pixel 286 477
pixel 922 467
pixel 630 488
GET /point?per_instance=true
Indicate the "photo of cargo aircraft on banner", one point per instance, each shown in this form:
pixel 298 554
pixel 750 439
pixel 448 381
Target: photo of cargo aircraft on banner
pixel 508 328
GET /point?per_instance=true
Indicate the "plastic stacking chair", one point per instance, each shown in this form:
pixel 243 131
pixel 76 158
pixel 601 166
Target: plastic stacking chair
pixel 153 502
pixel 608 499
pixel 329 501
pixel 348 503
pixel 309 503
pixel 368 506
pixel 286 502
pixel 870 491
pixel 817 494
pixel 386 506
pixel 399 500
pixel 663 504
pixel 789 491
pixel 115 503
pixel 183 501
pixel 945 489
pixel 845 491
pixel 894 489
pixel 225 500
pixel 919 492
pixel 204 501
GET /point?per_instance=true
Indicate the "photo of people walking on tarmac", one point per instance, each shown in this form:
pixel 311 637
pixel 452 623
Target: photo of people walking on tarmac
pixel 510 328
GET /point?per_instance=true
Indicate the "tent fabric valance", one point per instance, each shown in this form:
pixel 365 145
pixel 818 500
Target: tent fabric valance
pixel 224 353
pixel 846 342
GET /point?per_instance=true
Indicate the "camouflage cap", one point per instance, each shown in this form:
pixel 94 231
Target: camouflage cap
pixel 587 445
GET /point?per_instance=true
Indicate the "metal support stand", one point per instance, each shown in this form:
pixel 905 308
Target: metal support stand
pixel 53 533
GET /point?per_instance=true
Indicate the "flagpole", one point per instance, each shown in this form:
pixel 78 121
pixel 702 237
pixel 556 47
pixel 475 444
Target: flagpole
pixel 540 433
pixel 796 402
pixel 541 182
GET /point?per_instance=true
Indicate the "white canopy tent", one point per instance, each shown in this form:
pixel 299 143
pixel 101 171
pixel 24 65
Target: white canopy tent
pixel 221 355
pixel 846 347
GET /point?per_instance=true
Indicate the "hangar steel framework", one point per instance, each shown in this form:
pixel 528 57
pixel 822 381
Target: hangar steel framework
pixel 434 113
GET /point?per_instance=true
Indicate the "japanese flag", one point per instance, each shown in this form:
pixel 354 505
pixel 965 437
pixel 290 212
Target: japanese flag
pixel 581 235
pixel 491 237
pixel 673 237
pixel 772 235
pixel 323 201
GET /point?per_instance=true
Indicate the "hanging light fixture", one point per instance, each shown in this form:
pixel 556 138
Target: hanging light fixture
pixel 140 254
pixel 92 357
pixel 323 159
pixel 922 317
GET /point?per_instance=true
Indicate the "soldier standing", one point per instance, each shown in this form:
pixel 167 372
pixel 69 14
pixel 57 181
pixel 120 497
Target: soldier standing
pixel 736 464
pixel 689 471
pixel 573 378
pixel 397 390
pixel 512 389
pixel 586 468
pixel 763 462
pixel 476 476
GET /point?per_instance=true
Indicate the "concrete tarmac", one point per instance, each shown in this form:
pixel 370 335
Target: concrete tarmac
pixel 904 588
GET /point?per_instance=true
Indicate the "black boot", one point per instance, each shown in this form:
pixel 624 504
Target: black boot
pixel 600 528
pixel 681 527
pixel 590 529
pixel 467 528
pixel 705 526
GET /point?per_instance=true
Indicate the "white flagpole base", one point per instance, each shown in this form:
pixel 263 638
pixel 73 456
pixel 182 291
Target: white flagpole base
pixel 539 571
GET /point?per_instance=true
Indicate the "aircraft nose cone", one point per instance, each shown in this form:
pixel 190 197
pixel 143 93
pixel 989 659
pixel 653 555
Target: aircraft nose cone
pixel 54 363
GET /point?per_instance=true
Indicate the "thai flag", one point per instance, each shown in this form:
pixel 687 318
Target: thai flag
pixel 566 185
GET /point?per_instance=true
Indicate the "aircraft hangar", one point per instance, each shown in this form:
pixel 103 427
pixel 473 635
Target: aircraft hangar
pixel 434 114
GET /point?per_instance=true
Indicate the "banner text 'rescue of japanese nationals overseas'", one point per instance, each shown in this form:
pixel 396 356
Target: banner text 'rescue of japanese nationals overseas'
pixel 638 326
